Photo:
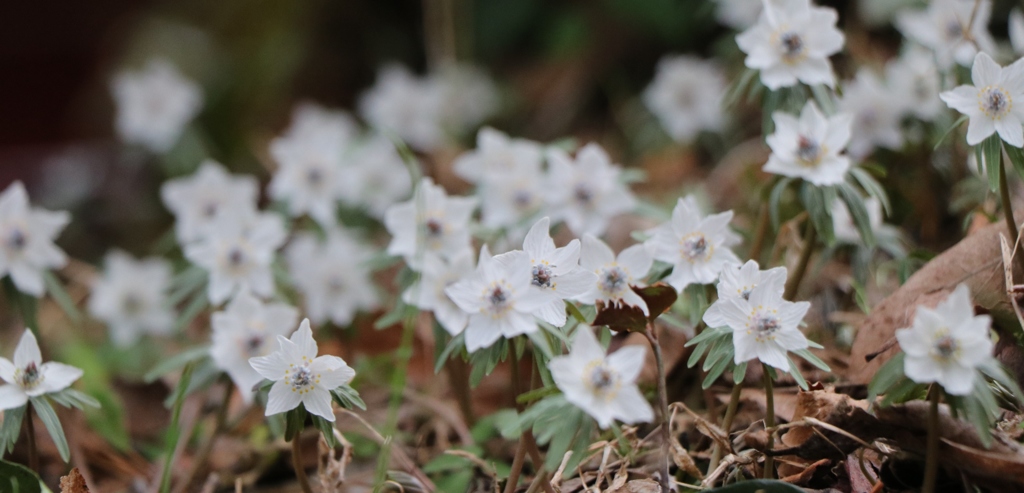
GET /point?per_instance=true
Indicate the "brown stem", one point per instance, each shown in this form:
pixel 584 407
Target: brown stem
pixel 30 431
pixel 931 463
pixel 793 285
pixel 730 415
pixel 299 465
pixel 517 467
pixel 769 423
pixel 199 463
pixel 458 379
pixel 666 430
pixel 1004 197
pixel 760 232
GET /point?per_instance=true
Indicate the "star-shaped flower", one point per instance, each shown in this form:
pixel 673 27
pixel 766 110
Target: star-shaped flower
pixel 130 297
pixel 198 201
pixel 154 105
pixel 697 246
pixel 26 240
pixel 738 281
pixel 943 28
pixel 586 192
pixel 332 275
pixel 995 103
pixel 810 147
pixel 430 222
pixel 876 114
pixel 686 96
pixel 27 376
pixel 915 83
pixel 428 292
pixel 615 274
pixel 411 107
pixel 379 177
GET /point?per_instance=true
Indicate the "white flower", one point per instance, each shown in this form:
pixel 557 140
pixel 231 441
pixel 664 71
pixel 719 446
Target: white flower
pixel 409 106
pixel 310 176
pixel 686 96
pixel 200 200
pixel 846 230
pixel 1016 28
pixel 332 275
pixel 28 376
pixel 602 386
pixel 876 114
pixel 130 297
pixel 154 105
pixel 697 246
pixel 993 103
pixel 237 253
pixel 738 14
pixel 300 376
pixel 430 222
pixel 738 281
pixel 379 177
pixel 427 293
pixel 764 326
pixel 792 42
pixel 468 96
pixel 916 83
pixel 942 28
pixel 499 298
pixel 245 330
pixel 496 154
pixel 26 240
pixel 614 274
pixel 586 192
pixel 810 147
pixel 555 271
pixel 945 344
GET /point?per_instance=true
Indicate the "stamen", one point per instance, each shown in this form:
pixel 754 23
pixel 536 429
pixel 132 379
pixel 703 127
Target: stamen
pixel 302 378
pixel 16 239
pixel 542 276
pixel 613 280
pixel 808 151
pixel 792 45
pixel 995 102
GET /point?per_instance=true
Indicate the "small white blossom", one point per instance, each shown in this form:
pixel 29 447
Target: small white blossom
pixel 332 275
pixel 27 376
pixel 916 83
pixel 792 42
pixel 499 298
pixel 300 376
pixel 738 281
pixel 379 177
pixel 942 27
pixel 245 330
pixel 430 222
pixel 407 105
pixel 26 240
pixel 130 297
pixel 876 114
pixel 468 96
pixel 698 247
pixel 199 201
pixel 586 192
pixel 614 274
pixel 738 14
pixel 686 96
pixel 944 345
pixel 810 147
pixel 237 253
pixel 602 386
pixel 495 155
pixel 154 105
pixel 427 293
pixel 1016 31
pixel 993 103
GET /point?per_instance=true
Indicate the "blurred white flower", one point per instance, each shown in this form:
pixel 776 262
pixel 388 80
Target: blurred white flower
pixel 915 83
pixel 1016 30
pixel 845 229
pixel 245 330
pixel 989 103
pixel 586 192
pixel 300 376
pixel 738 14
pixel 332 275
pixel 409 106
pixel 686 96
pixel 880 13
pixel 309 155
pixel 810 147
pixel 499 298
pixel 27 376
pixel 379 177
pixel 698 247
pixel 876 114
pixel 497 154
pixel 507 173
pixel 199 201
pixel 130 297
pixel 942 27
pixel 427 293
pixel 602 386
pixel 26 240
pixel 764 326
pixel 237 253
pixel 154 105
pixel 738 281
pixel 430 222
pixel 468 96
pixel 945 344
pixel 614 274
pixel 791 42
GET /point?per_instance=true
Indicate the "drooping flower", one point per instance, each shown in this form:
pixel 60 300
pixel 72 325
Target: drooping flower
pixel 300 376
pixel 602 386
pixel 238 253
pixel 946 343
pixel 739 281
pixel 27 376
pixel 810 147
pixel 154 105
pixel 428 292
pixel 411 107
pixel 499 298
pixel 876 114
pixel 791 42
pixel 697 246
pixel 764 326
pixel 686 96
pixel 915 83
pixel 430 222
pixel 379 176
pixel 615 274
pixel 993 103
pixel 943 28
pixel 26 240
pixel 130 297
pixel 198 201
pixel 586 192
pixel 246 330
pixel 332 275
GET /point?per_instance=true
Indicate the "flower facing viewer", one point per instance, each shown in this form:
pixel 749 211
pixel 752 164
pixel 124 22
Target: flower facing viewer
pixel 27 376
pixel 697 246
pixel 586 192
pixel 26 240
pixel 993 103
pixel 614 274
pixel 810 147
pixel 130 297
pixel 154 105
pixel 430 222
pixel 738 281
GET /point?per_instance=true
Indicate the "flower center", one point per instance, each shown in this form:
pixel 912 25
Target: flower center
pixel 603 381
pixel 764 324
pixel 745 292
pixel 792 46
pixel 498 299
pixel 954 30
pixel 808 150
pixel 236 257
pixel 132 304
pixel 314 176
pixel 995 102
pixel 435 228
pixel 29 377
pixel 16 239
pixel 946 347
pixel 542 276
pixel 336 285
pixel 614 280
pixel 583 194
pixel 209 210
pixel 696 248
pixel 254 344
pixel 522 198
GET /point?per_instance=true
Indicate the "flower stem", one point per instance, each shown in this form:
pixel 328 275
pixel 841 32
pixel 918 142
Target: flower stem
pixel 458 379
pixel 1004 197
pixel 760 232
pixel 517 467
pixel 298 465
pixel 30 432
pixel 769 423
pixel 801 267
pixel 666 431
pixel 931 463
pixel 199 463
pixel 730 415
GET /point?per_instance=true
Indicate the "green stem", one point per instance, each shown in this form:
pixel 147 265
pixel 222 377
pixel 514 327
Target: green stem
pixel 666 430
pixel 931 464
pixel 299 465
pixel 174 430
pixel 793 285
pixel 1004 197
pixel 730 415
pixel 30 432
pixel 769 423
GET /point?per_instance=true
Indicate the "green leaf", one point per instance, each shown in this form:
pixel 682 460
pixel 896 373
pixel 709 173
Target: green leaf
pixel 348 398
pixel 725 360
pixel 887 376
pixel 954 126
pixel 70 397
pixel 199 303
pixel 174 430
pixel 773 201
pixel 855 204
pixel 457 342
pixel 177 361
pixel 739 373
pixel 17 478
pixel 904 390
pixel 1016 156
pixel 61 296
pixel 812 359
pixel 49 418
pixel 11 428
pixel 737 88
pixel 994 370
pixel 991 149
pixel 758 485
pixel 794 370
pixel 872 187
pixel 326 429
pixel 575 312
pixel 295 420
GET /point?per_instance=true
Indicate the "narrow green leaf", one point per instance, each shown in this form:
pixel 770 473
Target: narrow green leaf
pixel 855 204
pixel 16 478
pixel 174 430
pixel 794 370
pixel 991 151
pixel 887 376
pixel 575 312
pixel 954 126
pixel 725 360
pixel 61 296
pixel 773 201
pixel 1016 156
pixel 11 428
pixel 175 362
pixel 813 359
pixel 326 430
pixel 49 418
pixel 872 187
pixel 739 373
